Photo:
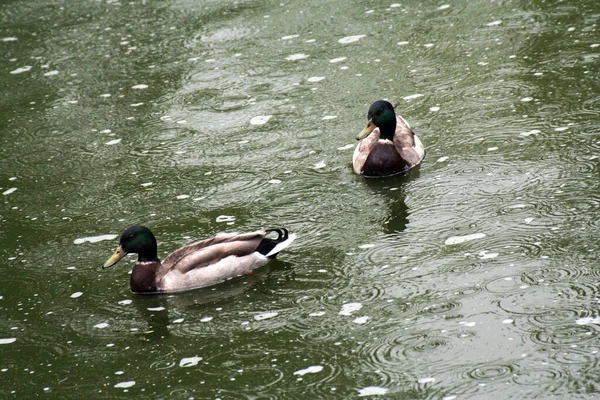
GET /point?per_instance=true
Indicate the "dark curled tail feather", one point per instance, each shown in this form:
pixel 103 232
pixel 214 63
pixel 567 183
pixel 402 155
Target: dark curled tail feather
pixel 267 244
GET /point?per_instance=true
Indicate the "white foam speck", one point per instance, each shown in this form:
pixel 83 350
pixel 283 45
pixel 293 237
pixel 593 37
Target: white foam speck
pixel 434 109
pixel 527 99
pixel 319 165
pixel 260 119
pixel 528 220
pixel 289 37
pixel 428 45
pixel 189 361
pixel 484 255
pixel 141 86
pixel 9 39
pixel 182 196
pixel 313 369
pixel 125 385
pixel 147 184
pixel 451 397
pixel 443 7
pixel 350 39
pixel 263 316
pixel 315 78
pixel 428 379
pixel 136 104
pixel 328 117
pixel 372 391
pixel 275 181
pixel 225 218
pixel 588 320
pixel 317 314
pixel 155 308
pixel 466 238
pixel 492 149
pixel 346 147
pixel 494 23
pixel 361 320
pixel 561 128
pixel 348 308
pixel 467 324
pixel 125 302
pixel 76 295
pixel 26 68
pixel 508 321
pixel 94 239
pixel 337 60
pixel 106 95
pixel 101 325
pixel 206 319
pixel 531 132
pixel 51 73
pixel 412 96
pixel 296 57
pixel 395 5
pixel 442 159
pixel 366 246
pixel 402 43
pixel 9 191
pixel 112 142
pixel 594 45
pixel 119 372
pixel 8 340
pixel 178 320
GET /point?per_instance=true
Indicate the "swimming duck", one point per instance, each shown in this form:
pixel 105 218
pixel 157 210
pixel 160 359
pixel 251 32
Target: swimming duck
pixel 387 144
pixel 199 264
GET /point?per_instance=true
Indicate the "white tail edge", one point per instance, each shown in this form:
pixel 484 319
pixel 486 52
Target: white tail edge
pixel 282 245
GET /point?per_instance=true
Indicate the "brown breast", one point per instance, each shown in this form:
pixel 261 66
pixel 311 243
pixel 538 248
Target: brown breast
pixel 384 160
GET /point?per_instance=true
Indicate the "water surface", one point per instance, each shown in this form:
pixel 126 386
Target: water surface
pixel 474 276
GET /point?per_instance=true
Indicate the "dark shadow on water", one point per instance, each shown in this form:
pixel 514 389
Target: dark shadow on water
pixel 392 189
pixel 155 308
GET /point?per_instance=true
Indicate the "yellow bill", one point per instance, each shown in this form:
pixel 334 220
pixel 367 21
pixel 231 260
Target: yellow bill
pixel 119 253
pixel 367 131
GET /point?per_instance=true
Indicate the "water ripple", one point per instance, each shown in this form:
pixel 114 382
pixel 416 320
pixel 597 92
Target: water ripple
pixel 562 335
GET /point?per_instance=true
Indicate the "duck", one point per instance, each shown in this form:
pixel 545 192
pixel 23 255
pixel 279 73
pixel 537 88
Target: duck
pixel 387 145
pixel 199 264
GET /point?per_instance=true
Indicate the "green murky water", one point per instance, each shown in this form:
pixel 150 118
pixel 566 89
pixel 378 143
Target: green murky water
pixel 475 276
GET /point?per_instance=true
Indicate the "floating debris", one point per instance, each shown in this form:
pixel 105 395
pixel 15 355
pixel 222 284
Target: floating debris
pixel 351 39
pixel 260 119
pixel 296 57
pixel 94 239
pixel 461 239
pixel 313 369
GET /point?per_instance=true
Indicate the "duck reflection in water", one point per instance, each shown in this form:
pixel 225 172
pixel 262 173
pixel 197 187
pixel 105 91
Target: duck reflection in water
pixel 392 189
pixel 162 312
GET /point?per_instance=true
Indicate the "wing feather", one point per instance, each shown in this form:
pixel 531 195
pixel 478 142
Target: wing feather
pixel 206 252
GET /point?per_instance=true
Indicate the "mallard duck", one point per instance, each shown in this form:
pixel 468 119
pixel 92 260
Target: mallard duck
pixel 199 264
pixel 387 145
